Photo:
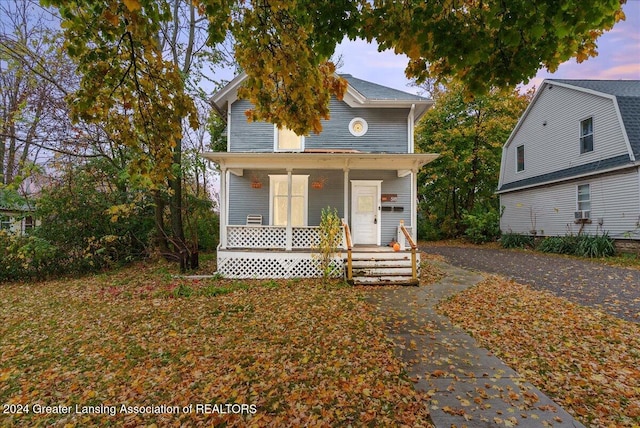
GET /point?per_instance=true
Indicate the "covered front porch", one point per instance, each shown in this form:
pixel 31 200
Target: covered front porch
pixel 270 205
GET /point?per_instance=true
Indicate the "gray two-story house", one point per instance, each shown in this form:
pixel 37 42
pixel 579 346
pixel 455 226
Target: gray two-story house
pixel 572 163
pixel 274 183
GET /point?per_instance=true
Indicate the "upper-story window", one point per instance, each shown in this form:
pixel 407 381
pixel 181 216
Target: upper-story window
pixel 586 135
pixel 288 141
pixel 520 158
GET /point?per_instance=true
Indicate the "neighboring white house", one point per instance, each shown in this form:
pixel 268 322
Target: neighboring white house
pixel 274 184
pixel 17 220
pixel 572 163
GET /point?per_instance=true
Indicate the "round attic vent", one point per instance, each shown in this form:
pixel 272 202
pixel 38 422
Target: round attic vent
pixel 358 126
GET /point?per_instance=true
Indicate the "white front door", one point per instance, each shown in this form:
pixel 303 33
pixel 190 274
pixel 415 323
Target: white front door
pixel 365 211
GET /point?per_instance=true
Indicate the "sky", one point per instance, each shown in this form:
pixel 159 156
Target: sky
pixel 618 58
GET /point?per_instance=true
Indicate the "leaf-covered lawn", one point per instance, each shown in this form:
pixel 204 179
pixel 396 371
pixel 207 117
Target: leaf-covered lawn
pixel 294 353
pixel 589 362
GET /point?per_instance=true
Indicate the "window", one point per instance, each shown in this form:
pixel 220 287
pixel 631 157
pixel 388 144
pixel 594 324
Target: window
pixel 279 196
pixel 288 141
pixel 5 222
pixel 28 224
pixel 358 127
pixel 584 197
pixel 586 135
pixel 520 158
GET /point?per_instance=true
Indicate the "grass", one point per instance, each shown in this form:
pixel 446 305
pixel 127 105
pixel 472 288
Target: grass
pixel 283 352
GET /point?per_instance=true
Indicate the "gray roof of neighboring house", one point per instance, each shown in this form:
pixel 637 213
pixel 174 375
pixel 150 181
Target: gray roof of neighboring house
pixel 373 91
pixel 627 93
pixel 575 171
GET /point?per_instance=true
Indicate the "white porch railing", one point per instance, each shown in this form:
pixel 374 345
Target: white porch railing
pixel 272 237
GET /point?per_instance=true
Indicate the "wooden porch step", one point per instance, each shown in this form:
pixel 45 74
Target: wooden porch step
pixel 382 268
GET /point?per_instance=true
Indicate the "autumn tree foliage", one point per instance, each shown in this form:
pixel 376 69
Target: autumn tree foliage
pixel 133 82
pixel 468 133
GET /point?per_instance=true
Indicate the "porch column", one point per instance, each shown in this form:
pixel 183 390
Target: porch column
pixel 345 202
pixel 223 208
pixel 414 204
pixel 289 244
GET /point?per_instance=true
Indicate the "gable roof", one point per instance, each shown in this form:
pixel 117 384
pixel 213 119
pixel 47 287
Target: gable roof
pixel 359 93
pixel 627 96
pixel 373 91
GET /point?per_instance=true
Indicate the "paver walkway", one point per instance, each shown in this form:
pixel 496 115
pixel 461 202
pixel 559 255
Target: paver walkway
pixel 469 386
pixel 612 289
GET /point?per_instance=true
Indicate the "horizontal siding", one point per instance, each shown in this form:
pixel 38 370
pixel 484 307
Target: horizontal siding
pixel 248 136
pixel 387 130
pixel 556 145
pixel 615 198
pixel 391 183
pixel 245 200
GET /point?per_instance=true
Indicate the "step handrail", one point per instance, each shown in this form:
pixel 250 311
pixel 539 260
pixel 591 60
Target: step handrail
pixel 349 244
pixel 414 261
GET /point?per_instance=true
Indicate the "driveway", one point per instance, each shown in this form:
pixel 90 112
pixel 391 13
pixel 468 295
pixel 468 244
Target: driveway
pixel 612 289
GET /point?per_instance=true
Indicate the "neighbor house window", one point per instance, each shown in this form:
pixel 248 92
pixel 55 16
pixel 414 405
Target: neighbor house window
pixel 288 141
pixel 520 158
pixel 279 197
pixel 586 135
pixel 28 224
pixel 5 222
pixel 584 197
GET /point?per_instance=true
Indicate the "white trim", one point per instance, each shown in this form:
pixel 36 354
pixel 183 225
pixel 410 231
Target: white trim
pixel 414 205
pixel 330 161
pixel 346 195
pixel 411 124
pixel 229 130
pixel 223 208
pixel 378 184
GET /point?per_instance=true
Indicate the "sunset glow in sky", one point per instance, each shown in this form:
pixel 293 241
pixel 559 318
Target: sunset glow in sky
pixel 618 58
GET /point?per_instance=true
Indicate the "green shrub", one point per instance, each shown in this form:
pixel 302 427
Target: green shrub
pixel 516 240
pixel 595 246
pixel 579 245
pixel 558 244
pixel 25 257
pixel 330 238
pixel 482 227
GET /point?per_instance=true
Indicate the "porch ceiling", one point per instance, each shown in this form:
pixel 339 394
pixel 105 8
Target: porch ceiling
pixel 404 163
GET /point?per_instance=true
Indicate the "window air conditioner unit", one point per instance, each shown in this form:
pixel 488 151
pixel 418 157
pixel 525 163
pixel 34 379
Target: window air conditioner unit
pixel 582 215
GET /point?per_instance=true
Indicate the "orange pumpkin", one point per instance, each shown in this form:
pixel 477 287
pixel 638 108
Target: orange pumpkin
pixel 396 247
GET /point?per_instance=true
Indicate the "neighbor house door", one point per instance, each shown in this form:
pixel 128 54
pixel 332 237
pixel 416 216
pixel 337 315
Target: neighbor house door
pixel 365 211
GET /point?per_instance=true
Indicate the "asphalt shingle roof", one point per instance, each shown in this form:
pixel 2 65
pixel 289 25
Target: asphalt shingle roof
pixel 569 172
pixel 373 91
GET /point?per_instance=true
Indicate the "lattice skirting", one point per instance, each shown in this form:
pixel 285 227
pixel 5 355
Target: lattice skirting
pixel 273 264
